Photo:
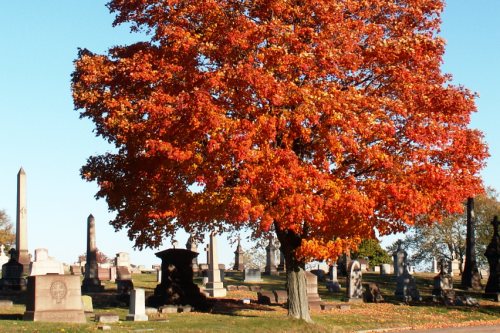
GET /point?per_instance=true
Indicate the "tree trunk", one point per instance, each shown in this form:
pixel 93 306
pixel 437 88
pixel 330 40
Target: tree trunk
pixel 298 306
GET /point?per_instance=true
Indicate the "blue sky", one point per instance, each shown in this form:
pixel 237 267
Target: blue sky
pixel 40 131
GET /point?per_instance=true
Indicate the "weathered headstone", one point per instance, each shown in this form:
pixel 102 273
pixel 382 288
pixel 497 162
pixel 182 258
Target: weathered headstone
pixel 214 287
pixel 122 259
pixel 406 288
pixel 252 275
pixel 137 309
pixel 492 253
pixel 400 258
pixel 333 284
pixel 270 268
pixel 354 291
pixel 385 269
pixel 23 256
pixel 443 283
pixel 103 274
pixel 177 286
pixel 434 268
pixel 88 306
pixel 44 264
pixel 313 298
pixel 91 281
pixel 239 262
pixel 12 274
pixel 54 298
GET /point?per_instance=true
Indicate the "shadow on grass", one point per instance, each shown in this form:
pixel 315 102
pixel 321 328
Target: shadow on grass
pixel 11 316
pixel 232 307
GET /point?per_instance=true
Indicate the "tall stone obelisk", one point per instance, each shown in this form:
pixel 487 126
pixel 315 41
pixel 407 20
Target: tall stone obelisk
pixel 21 223
pixel 91 281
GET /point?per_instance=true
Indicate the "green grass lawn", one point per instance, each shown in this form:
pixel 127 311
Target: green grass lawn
pixel 232 316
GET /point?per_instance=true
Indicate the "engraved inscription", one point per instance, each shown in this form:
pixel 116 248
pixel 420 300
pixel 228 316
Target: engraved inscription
pixel 58 291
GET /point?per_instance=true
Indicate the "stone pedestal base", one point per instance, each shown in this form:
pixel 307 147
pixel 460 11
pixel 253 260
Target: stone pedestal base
pixel 215 289
pixel 25 260
pixel 137 317
pixel 92 286
pixel 68 316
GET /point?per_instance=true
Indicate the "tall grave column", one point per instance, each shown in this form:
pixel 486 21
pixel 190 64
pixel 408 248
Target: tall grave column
pixel 239 261
pixel 91 282
pixel 493 255
pixel 270 268
pixel 470 277
pixel 193 247
pixel 21 223
pixel 214 286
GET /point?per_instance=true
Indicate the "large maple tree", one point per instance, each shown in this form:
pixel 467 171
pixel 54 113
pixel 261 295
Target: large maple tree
pixel 322 121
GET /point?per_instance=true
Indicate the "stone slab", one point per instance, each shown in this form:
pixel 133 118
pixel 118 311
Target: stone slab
pixel 107 318
pixel 243 288
pixel 87 304
pixel 6 303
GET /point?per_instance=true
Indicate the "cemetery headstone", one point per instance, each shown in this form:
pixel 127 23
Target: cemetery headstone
pixel 54 298
pixel 177 286
pixel 23 256
pixel 270 268
pixel 137 309
pixel 492 253
pixel 406 287
pixel 252 275
pixel 333 284
pixel 87 304
pixel 354 292
pixel 75 270
pixel 191 245
pixel 12 274
pixel 91 281
pixel 44 264
pixel 443 284
pixel 122 259
pixel 385 269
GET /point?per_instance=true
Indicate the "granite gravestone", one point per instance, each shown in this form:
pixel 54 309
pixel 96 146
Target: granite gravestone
pixel 54 298
pixel 252 275
pixel 177 286
pixel 12 274
pixel 239 262
pixel 406 287
pixel 91 281
pixel 137 308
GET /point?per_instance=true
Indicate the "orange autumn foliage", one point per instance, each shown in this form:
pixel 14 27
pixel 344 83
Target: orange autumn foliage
pixel 329 119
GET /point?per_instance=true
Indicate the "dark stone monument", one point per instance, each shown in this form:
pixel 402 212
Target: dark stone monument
pixel 124 283
pixel 239 261
pixel 91 281
pixel 406 287
pixel 471 279
pixel 177 287
pixel 493 255
pixel 372 293
pixel 12 274
pixel 443 284
pixel 270 268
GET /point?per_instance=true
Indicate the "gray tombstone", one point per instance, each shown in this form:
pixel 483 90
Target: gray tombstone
pixel 239 262
pixel 333 284
pixel 406 287
pixel 252 275
pixel 91 281
pixel 443 282
pixel 270 268
pixel 137 308
pixel 354 282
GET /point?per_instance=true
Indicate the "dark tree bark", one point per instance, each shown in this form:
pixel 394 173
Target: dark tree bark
pixel 470 275
pixel 298 306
